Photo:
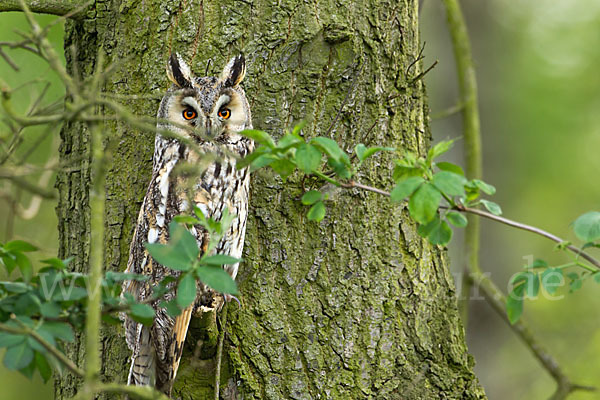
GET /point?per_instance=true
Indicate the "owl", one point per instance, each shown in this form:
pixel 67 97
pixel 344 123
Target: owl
pixel 217 106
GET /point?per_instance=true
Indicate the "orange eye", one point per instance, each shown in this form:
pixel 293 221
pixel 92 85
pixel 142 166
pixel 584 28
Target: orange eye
pixel 189 113
pixel 224 113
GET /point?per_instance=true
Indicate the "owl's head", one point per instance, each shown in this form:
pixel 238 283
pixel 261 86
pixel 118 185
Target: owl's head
pixel 215 105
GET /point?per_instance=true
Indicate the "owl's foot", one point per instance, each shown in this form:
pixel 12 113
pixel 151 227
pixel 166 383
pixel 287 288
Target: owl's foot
pixel 229 297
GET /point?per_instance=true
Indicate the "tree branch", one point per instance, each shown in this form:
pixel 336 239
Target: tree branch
pixel 497 300
pixel 472 134
pixel 54 7
pixel 577 251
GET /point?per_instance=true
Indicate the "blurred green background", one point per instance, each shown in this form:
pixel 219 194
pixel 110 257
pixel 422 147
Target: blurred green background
pixel 539 95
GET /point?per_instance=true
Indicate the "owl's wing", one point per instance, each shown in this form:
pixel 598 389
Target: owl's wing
pixel 151 227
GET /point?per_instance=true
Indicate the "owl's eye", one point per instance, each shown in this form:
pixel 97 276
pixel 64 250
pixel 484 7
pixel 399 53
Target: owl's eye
pixel 189 113
pixel 224 113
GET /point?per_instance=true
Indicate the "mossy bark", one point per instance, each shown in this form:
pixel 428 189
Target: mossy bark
pixel 356 306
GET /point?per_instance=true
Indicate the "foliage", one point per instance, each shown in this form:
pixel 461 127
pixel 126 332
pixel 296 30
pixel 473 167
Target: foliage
pixel 43 309
pixel 434 189
pixel 437 193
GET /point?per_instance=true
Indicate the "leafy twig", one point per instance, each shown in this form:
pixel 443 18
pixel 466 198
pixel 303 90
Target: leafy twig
pixel 577 251
pixel 497 300
pixel 51 349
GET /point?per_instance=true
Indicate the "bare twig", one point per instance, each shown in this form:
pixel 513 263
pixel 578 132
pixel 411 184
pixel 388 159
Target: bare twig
pixel 223 319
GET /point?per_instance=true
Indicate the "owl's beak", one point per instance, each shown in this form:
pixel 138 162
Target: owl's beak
pixel 208 128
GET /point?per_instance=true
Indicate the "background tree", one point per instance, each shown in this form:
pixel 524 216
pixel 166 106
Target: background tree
pixel 336 299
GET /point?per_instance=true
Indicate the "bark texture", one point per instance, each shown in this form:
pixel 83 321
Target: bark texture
pixel 357 306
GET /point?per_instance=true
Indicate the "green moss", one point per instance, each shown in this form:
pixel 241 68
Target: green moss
pixel 357 306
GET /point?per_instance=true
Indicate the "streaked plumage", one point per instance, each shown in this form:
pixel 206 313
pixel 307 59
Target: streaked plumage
pixel 156 350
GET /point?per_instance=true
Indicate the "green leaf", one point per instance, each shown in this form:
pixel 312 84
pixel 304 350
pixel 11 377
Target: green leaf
pixel 363 152
pixel 283 167
pixel 456 219
pixel 485 187
pixel 587 226
pixel 423 204
pixel 166 255
pixel 530 282
pixel 311 197
pixel 59 330
pixel 425 229
pixel 183 241
pixel 263 161
pixel 552 279
pixel 402 172
pixel 450 183
pixel 9 262
pixel 19 246
pixel 180 253
pixel 43 366
pixel 576 281
pixel 219 259
pixel 405 188
pixel 171 307
pixel 298 128
pixel 441 234
pixel 218 279
pixel 539 263
pixel 329 147
pixel 10 340
pixel 360 151
pixel 316 212
pixel 18 356
pixel 15 287
pixel 340 168
pixel 185 220
pixel 491 207
pixel 289 140
pixel 514 304
pixel 261 137
pixel 50 309
pixel 56 262
pixel 446 166
pixel 439 149
pixel 186 290
pixel 308 158
pixel 596 276
pixel 24 264
pixel 244 162
pixel 142 313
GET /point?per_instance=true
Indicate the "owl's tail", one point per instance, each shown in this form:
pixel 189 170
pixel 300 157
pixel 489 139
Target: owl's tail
pixel 166 375
pixel 142 363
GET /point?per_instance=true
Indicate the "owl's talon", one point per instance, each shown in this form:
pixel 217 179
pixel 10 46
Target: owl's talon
pixel 228 297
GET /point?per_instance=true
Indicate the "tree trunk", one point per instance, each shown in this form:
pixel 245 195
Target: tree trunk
pixel 356 306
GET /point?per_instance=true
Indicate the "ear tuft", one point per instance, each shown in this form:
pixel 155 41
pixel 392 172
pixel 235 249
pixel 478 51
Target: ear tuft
pixel 234 71
pixel 178 71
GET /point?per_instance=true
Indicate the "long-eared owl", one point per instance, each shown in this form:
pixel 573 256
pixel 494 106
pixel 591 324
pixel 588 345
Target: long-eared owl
pixel 218 107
